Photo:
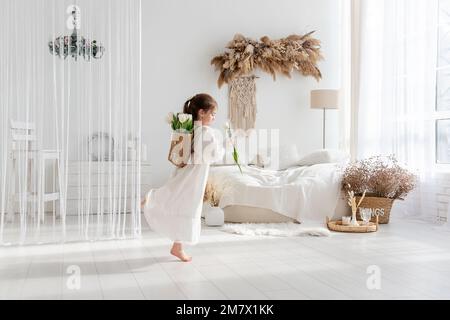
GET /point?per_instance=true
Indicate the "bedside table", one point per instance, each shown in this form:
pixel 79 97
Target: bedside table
pixel 99 187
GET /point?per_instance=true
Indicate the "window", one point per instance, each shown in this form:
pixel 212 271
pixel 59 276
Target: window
pixel 443 86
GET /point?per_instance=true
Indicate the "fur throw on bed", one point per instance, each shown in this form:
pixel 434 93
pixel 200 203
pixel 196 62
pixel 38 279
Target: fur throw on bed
pixel 275 229
pixel 296 52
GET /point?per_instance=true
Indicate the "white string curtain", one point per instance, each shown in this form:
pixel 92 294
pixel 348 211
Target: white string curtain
pixel 396 91
pixel 86 111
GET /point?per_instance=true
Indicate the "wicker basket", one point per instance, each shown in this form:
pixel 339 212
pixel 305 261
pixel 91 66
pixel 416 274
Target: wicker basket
pixel 377 203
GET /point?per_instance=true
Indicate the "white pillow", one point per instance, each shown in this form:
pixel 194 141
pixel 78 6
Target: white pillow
pixel 324 156
pixel 288 156
pixel 228 154
pixel 260 160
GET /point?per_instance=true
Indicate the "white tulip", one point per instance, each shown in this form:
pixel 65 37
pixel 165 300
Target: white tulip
pixel 183 117
pixel 169 118
pixel 228 129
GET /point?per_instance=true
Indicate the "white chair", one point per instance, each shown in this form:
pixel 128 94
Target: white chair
pixel 23 148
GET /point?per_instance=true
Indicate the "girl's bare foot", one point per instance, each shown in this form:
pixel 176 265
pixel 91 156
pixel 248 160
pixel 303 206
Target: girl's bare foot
pixel 177 251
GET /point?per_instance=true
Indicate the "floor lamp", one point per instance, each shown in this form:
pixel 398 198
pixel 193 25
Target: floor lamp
pixel 324 99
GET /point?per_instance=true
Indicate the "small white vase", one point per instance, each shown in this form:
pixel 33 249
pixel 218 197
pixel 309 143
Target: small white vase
pixel 214 216
pixel 346 221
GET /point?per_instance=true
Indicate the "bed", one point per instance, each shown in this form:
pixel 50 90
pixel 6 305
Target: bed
pixel 297 194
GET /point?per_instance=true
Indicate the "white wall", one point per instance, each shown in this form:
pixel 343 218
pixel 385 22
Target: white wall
pixel 179 38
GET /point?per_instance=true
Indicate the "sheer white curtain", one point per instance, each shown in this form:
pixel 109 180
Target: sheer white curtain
pixel 88 111
pixel 396 90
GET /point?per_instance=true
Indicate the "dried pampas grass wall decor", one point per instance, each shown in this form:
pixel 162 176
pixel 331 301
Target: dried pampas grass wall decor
pixel 296 52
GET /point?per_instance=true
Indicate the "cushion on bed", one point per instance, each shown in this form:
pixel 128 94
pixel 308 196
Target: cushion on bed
pixel 282 158
pixel 324 156
pixel 288 156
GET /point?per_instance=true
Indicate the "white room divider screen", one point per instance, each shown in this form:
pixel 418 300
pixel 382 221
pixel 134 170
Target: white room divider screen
pixel 70 120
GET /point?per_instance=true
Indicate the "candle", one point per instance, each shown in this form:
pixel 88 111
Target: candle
pixel 346 221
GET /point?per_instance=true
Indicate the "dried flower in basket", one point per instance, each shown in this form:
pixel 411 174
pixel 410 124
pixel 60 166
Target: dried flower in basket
pixel 380 176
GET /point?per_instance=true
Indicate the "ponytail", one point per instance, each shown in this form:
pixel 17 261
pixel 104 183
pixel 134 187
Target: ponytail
pixel 201 101
pixel 187 106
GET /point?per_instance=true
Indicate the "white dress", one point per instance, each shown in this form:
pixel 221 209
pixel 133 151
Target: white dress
pixel 174 210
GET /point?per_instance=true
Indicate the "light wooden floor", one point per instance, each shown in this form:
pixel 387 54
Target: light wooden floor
pixel 413 259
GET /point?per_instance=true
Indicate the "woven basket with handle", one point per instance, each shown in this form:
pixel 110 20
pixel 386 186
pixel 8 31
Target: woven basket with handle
pixel 385 204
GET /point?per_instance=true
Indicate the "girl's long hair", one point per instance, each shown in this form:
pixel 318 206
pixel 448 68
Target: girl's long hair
pixel 201 101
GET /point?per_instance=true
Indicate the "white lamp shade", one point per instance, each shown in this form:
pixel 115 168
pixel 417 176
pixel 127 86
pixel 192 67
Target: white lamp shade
pixel 325 99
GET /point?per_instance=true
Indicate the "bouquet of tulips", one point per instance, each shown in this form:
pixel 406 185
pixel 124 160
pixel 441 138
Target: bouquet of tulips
pixel 180 122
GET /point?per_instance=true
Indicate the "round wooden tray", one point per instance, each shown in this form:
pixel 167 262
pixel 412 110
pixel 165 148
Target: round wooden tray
pixel 337 226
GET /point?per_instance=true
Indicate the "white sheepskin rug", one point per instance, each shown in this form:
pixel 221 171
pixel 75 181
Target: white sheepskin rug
pixel 275 229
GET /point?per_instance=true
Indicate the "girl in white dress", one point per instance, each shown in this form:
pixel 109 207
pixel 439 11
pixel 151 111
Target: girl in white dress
pixel 174 210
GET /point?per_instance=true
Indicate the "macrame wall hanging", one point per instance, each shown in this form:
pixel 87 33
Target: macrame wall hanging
pixel 242 102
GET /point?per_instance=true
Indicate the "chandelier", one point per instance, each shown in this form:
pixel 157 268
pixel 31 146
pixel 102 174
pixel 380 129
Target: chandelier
pixel 76 45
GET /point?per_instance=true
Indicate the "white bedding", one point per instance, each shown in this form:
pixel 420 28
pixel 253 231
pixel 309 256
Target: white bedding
pixel 302 193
